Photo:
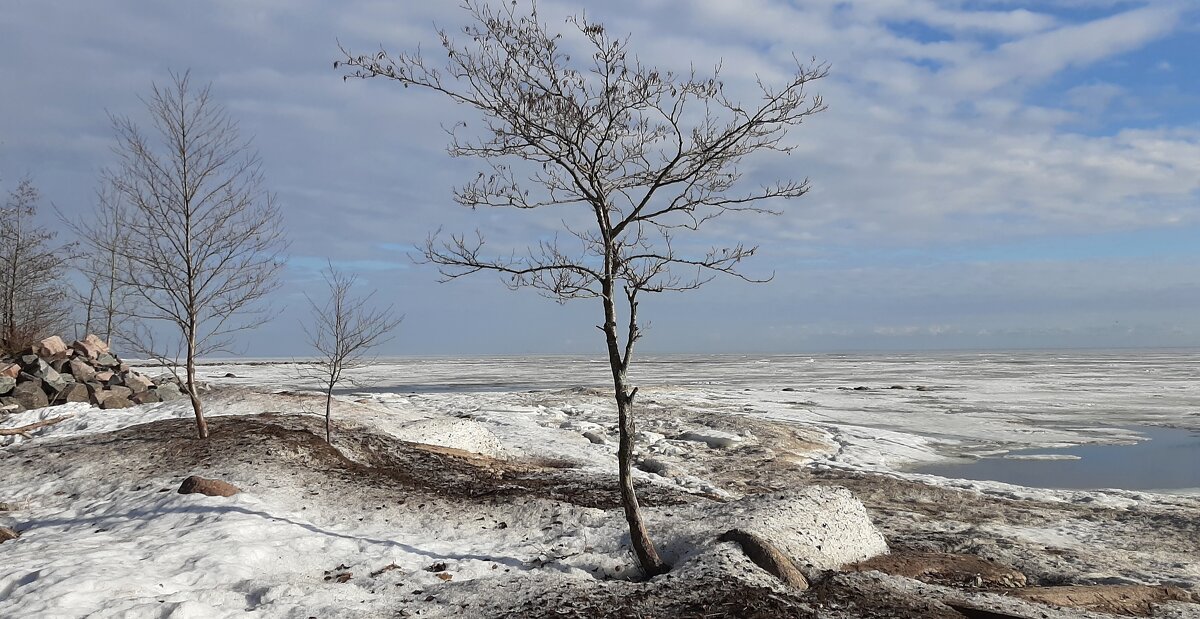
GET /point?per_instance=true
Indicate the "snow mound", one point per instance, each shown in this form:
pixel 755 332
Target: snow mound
pixel 461 434
pixel 819 528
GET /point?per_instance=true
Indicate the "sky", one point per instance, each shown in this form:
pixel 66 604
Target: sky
pixel 988 174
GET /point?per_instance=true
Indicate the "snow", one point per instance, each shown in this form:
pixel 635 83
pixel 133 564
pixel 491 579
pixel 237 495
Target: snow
pixel 103 540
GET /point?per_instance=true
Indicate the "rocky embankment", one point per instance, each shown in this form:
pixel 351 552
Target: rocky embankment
pixel 51 373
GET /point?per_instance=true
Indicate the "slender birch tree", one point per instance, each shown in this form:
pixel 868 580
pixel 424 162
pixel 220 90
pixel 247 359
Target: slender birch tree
pixel 343 330
pixel 205 240
pixel 643 156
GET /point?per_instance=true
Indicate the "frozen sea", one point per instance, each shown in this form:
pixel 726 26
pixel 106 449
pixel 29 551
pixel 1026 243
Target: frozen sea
pixel 989 412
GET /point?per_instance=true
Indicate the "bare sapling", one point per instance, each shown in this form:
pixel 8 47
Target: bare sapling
pixel 633 160
pixel 343 330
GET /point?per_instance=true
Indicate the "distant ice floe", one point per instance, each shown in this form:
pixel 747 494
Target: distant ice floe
pixel 1042 457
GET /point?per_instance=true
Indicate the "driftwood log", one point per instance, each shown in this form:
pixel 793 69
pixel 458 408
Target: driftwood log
pixel 25 430
pixel 765 555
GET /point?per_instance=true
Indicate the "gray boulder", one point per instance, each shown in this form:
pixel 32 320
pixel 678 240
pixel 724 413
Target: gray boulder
pixel 124 392
pixel 38 368
pixel 73 392
pixel 169 391
pixel 146 397
pixel 30 394
pixel 53 382
pixel 115 401
pixel 107 360
pixel 6 384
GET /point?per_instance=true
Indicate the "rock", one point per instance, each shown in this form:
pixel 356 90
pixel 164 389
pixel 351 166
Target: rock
pixel 30 394
pixel 712 438
pixel 230 375
pixel 10 406
pixel 113 400
pixel 103 377
pixel 6 384
pixel 50 347
pixel 168 391
pixel 658 467
pixel 58 364
pixel 7 534
pixel 765 555
pixel 10 370
pixel 73 392
pixel 818 528
pixel 943 569
pixel 137 382
pixel 38 368
pixel 124 392
pixel 595 437
pixel 91 347
pixel 81 370
pixel 29 359
pixel 106 360
pixel 53 382
pixel 146 397
pixel 210 487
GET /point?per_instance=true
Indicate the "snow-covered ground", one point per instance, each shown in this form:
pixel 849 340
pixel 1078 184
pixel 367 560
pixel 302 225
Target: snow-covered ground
pixel 105 534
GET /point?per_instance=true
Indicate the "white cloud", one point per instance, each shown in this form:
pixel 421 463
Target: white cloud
pixel 927 143
pixel 1041 55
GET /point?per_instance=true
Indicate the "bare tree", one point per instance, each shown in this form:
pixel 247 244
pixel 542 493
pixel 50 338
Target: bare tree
pixel 204 239
pixel 33 274
pixel 343 330
pixel 108 297
pixel 642 155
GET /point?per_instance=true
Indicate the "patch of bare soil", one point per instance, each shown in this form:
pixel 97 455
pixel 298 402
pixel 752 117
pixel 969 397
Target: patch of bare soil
pixel 943 569
pixel 276 443
pixel 1131 600
pixel 681 598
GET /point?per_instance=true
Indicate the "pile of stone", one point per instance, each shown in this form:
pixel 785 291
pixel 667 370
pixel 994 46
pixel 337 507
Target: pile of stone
pixel 51 373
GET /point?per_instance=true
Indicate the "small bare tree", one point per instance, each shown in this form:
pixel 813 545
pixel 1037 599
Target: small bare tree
pixel 204 239
pixel 643 155
pixel 108 297
pixel 33 274
pixel 343 330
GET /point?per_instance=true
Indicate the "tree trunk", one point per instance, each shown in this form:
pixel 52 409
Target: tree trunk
pixel 328 401
pixel 201 424
pixel 643 547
